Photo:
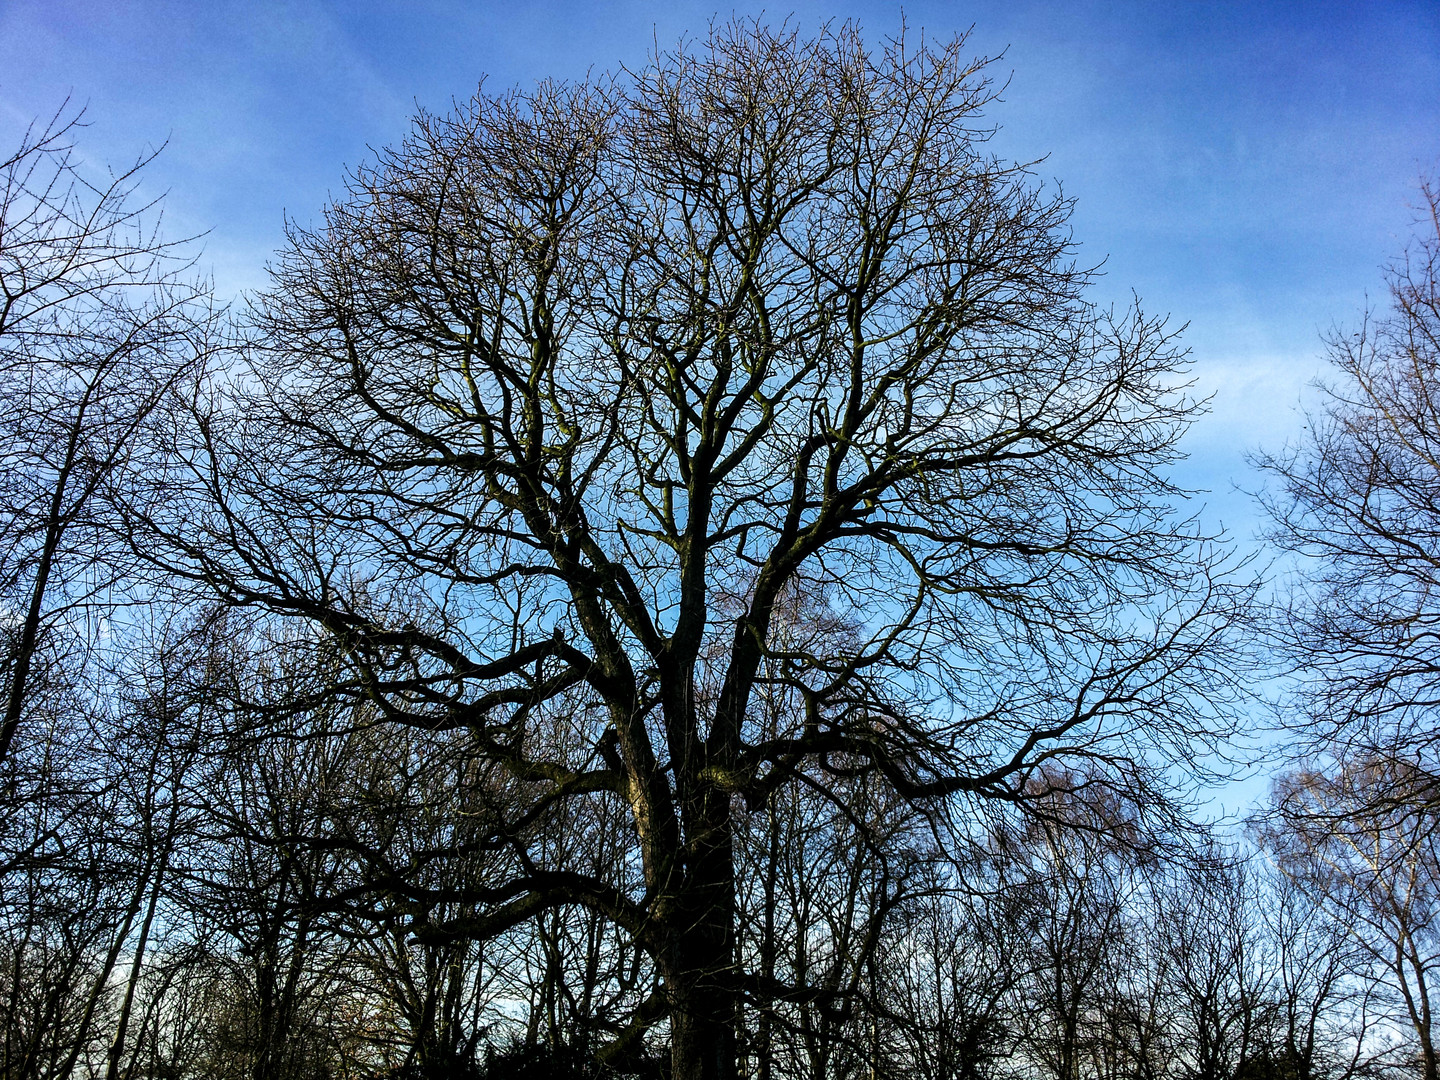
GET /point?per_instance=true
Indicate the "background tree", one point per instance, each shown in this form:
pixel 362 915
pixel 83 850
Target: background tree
pixel 568 365
pixel 1077 867
pixel 1323 1029
pixel 1357 500
pixel 949 972
pixel 1221 1005
pixel 98 321
pixel 1377 866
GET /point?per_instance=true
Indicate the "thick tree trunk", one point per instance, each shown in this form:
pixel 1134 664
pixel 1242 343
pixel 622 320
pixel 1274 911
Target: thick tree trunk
pixel 702 1040
pixel 704 1010
pixel 765 1022
pixel 704 1002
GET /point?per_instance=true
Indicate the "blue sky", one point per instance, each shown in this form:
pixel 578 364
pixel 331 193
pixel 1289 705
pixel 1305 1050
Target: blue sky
pixel 1245 168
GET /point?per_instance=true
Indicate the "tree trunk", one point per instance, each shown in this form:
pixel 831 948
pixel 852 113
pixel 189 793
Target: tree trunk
pixel 702 1048
pixel 764 1037
pixel 162 868
pixel 702 1031
pixel 29 638
pixel 704 1003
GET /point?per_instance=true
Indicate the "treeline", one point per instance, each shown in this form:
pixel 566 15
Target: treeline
pixel 184 898
pixel 675 578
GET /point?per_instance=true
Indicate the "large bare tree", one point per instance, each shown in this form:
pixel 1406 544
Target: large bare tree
pixel 570 394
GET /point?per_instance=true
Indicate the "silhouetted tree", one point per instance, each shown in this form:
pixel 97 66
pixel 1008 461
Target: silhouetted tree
pixel 98 321
pixel 1357 498
pixel 1376 865
pixel 567 366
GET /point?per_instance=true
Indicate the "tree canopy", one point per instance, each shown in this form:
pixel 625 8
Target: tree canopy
pixel 593 415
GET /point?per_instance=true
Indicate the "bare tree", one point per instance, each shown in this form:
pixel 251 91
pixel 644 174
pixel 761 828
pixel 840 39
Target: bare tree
pixel 949 971
pixel 413 795
pixel 1076 869
pixel 1221 1001
pixel 1378 868
pixel 260 887
pixel 569 365
pixel 98 320
pixel 1358 499
pixel 1324 1014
